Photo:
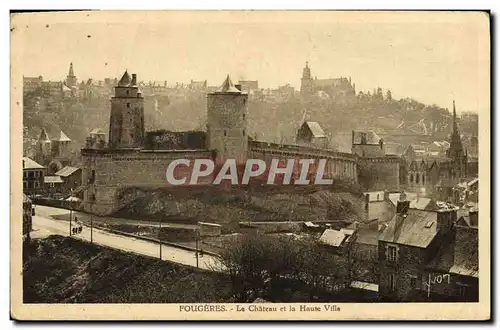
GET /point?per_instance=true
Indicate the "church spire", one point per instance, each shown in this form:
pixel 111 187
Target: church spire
pixel 71 73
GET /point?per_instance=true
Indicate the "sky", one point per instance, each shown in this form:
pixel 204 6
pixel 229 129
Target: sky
pixel 432 57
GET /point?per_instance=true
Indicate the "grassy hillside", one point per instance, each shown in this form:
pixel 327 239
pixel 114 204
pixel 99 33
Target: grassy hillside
pixel 62 270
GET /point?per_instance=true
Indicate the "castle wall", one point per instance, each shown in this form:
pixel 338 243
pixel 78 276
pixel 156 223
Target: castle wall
pixel 368 150
pixel 379 173
pixel 339 164
pixel 107 171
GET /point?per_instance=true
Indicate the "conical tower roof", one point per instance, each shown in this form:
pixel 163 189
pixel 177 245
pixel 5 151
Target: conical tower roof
pixel 228 87
pixel 63 137
pixel 125 80
pixel 44 136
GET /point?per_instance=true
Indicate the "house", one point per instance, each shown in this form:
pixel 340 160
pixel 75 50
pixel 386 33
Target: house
pixel 364 253
pixel 453 275
pixel 71 177
pixel 410 241
pixel 311 133
pixel 27 215
pixel 378 206
pixel 33 177
pixel 53 184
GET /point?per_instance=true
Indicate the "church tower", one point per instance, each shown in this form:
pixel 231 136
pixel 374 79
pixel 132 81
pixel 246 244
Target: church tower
pixel 227 110
pixel 456 153
pixel 306 86
pixel 126 125
pixel 71 79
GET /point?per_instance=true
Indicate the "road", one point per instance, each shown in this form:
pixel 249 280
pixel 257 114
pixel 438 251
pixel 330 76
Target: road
pixel 47 221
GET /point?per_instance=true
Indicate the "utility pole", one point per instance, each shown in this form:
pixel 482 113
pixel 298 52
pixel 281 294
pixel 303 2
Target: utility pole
pixel 70 216
pixel 159 237
pixel 91 227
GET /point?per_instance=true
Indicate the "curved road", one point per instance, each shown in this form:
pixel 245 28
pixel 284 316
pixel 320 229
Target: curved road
pixel 44 224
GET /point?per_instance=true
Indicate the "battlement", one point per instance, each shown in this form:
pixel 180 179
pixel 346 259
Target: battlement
pixel 299 150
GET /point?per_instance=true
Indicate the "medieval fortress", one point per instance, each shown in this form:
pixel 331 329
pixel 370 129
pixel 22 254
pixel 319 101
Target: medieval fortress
pixel 134 158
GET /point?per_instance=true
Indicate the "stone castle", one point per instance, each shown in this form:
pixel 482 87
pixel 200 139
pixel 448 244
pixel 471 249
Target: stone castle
pixel 135 158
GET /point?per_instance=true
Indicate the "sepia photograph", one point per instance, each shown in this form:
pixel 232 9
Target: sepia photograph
pixel 250 165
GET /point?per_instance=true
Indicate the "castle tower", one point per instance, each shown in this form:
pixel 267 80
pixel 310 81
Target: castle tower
pixel 306 86
pixel 44 147
pixel 71 79
pixel 456 151
pixel 126 125
pixel 227 122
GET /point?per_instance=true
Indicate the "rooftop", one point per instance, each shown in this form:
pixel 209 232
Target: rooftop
pixel 67 171
pixel 315 129
pixel 52 179
pixel 459 256
pixel 417 228
pixel 228 87
pixel 29 164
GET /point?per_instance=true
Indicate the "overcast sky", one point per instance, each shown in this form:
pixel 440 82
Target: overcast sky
pixel 432 57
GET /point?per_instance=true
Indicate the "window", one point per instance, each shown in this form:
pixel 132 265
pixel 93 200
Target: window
pixel 417 178
pixel 25 184
pixel 36 184
pixel 30 175
pixel 243 132
pixel 128 105
pixel 25 175
pixel 225 133
pixel 392 253
pixel 392 282
pixel 462 289
pixel 411 178
pixel 243 116
pixel 423 178
pixel 127 92
pixel 413 282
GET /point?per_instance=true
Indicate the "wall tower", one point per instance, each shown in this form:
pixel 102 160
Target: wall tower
pixel 227 110
pixel 126 125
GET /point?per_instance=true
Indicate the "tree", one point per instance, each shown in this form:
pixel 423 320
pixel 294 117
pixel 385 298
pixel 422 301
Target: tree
pixel 388 95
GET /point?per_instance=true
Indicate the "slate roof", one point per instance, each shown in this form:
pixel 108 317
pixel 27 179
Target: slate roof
pixel 67 171
pixel 63 137
pixel 315 129
pixel 125 80
pixel 367 236
pixel 52 179
pixel 44 136
pixel 228 87
pixel 418 228
pixel 332 237
pixel 459 256
pixel 371 137
pixel 30 164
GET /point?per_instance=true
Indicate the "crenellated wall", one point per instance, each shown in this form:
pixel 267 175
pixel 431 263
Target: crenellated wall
pixel 339 164
pixel 106 171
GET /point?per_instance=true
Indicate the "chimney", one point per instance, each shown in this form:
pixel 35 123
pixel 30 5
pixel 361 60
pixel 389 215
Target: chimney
pixel 238 87
pixel 473 218
pixel 403 205
pixel 134 80
pixel 352 137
